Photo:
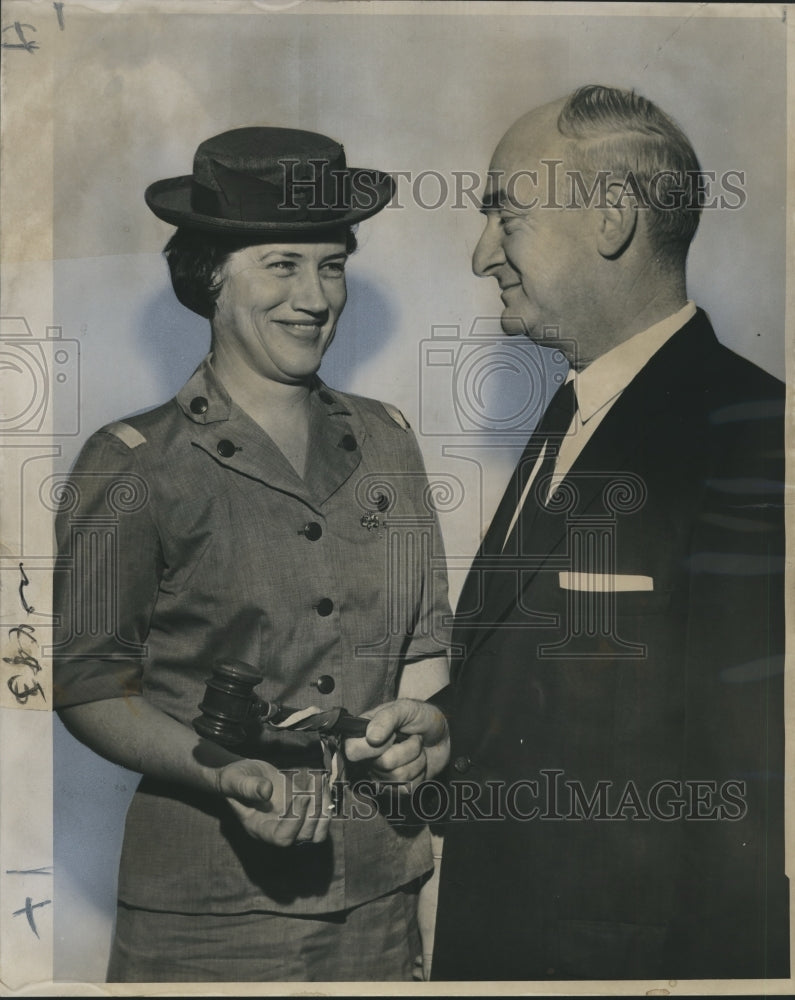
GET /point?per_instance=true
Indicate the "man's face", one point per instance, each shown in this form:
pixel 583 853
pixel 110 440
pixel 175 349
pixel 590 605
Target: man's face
pixel 542 255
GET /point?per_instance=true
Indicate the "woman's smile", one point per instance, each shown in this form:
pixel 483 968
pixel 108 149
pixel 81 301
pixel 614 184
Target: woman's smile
pixel 278 309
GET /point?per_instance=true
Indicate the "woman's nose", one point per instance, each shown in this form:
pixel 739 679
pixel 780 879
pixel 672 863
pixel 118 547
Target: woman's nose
pixel 308 293
pixel 488 252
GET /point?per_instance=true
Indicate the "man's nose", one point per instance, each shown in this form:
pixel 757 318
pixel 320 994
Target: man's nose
pixel 308 293
pixel 488 252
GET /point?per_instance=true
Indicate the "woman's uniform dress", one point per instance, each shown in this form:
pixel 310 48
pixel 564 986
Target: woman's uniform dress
pixel 185 536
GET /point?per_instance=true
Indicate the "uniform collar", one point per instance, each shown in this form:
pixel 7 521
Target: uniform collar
pixel 203 399
pixel 225 431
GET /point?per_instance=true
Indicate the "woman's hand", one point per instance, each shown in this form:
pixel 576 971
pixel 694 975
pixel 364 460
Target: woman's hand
pixel 281 808
pixel 277 807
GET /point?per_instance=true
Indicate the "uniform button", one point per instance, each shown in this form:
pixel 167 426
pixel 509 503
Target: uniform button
pixel 312 530
pixel 226 449
pixel 325 684
pixel 462 764
pixel 382 502
pixel 198 405
pixel 324 607
pixel 348 442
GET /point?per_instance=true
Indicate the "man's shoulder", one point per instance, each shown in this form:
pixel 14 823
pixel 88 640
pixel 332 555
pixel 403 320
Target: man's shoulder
pixel 720 369
pixel 745 403
pixel 696 371
pixel 735 376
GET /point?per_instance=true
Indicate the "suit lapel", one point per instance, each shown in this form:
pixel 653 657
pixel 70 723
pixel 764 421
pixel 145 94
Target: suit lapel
pixel 665 386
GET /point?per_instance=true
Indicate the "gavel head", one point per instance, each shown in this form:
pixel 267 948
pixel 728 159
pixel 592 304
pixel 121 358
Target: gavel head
pixel 229 703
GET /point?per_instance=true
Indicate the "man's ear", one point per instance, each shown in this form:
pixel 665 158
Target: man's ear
pixel 618 219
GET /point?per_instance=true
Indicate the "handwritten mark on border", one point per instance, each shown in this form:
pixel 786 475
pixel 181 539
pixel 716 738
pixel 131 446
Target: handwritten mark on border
pixel 24 687
pixel 24 43
pixel 28 909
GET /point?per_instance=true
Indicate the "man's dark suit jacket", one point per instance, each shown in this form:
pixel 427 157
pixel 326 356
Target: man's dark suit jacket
pixel 642 730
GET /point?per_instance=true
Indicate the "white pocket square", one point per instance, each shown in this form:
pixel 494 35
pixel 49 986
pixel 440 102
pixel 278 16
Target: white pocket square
pixel 604 583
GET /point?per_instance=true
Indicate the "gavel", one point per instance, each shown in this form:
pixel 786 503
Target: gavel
pixel 230 710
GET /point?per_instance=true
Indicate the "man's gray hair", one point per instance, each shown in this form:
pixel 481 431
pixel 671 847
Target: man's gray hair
pixel 620 132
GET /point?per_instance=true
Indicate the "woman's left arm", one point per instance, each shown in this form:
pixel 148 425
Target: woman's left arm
pixel 424 678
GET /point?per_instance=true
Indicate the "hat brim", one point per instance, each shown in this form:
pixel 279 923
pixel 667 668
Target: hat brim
pixel 170 200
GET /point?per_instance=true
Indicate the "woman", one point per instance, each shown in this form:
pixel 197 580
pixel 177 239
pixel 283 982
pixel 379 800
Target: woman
pixel 258 516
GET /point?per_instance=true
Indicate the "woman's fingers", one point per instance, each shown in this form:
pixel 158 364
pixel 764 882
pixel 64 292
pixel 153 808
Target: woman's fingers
pixel 254 789
pixel 324 820
pixel 295 824
pixel 311 804
pixel 292 807
pixel 247 780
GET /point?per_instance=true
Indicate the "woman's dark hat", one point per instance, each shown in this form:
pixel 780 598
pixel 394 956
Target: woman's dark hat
pixel 271 181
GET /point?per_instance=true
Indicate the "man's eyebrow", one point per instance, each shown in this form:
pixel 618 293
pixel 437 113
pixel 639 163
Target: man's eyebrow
pixel 493 201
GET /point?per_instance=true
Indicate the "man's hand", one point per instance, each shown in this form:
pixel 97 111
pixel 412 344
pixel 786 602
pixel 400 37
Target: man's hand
pixel 281 808
pixel 422 754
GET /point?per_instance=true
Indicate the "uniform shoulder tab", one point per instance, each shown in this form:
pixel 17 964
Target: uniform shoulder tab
pixel 126 433
pixel 397 416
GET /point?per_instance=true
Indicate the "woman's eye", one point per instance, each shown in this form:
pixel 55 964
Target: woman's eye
pixel 281 265
pixel 334 268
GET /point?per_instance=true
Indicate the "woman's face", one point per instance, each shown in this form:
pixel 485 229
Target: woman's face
pixel 278 307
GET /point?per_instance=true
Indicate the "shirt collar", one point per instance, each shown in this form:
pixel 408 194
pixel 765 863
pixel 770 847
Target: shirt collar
pixel 608 376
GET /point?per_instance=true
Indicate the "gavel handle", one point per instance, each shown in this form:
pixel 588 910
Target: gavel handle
pixel 337 722
pixel 351 726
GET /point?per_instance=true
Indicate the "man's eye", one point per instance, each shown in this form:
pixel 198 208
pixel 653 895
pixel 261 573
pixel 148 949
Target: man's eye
pixel 508 223
pixel 281 265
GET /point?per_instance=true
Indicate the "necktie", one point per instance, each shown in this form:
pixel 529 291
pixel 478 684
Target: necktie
pixel 549 431
pixel 546 438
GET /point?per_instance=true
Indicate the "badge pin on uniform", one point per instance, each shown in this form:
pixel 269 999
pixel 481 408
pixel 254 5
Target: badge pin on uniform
pixel 370 518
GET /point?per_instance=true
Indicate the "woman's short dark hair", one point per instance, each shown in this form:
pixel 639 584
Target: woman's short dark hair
pixel 195 258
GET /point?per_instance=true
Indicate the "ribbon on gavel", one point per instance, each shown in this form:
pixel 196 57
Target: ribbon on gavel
pixel 324 723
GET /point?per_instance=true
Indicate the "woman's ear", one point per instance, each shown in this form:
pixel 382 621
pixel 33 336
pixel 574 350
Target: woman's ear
pixel 618 219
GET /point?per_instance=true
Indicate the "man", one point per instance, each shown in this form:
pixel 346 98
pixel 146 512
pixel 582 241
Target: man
pixel 615 804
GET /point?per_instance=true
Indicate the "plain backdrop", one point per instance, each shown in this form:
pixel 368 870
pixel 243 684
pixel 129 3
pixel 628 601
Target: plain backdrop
pixel 423 88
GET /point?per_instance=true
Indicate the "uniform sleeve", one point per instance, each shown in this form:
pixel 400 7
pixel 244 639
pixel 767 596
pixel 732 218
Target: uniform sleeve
pixel 107 572
pixel 432 625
